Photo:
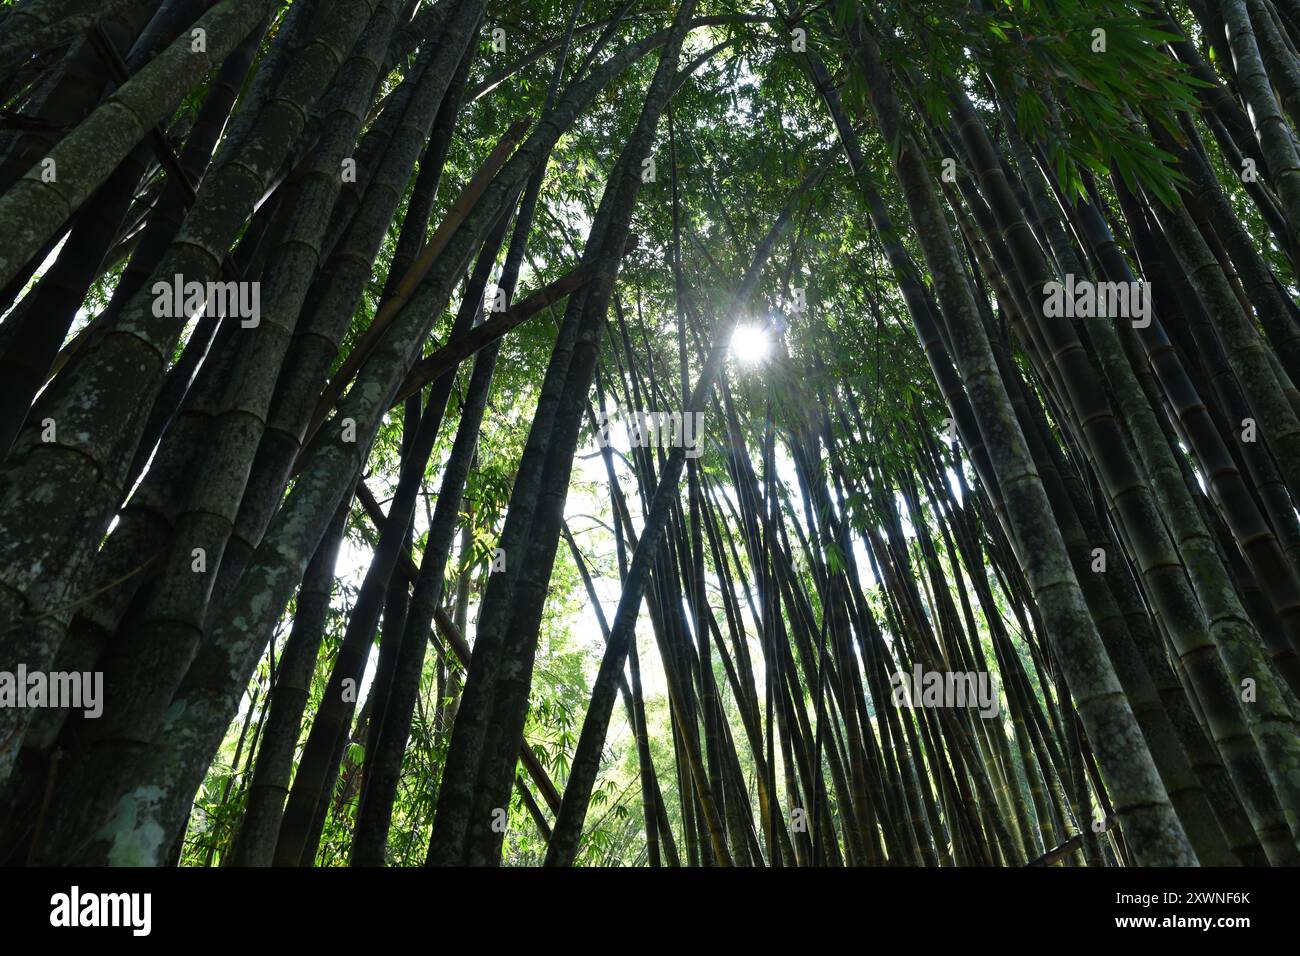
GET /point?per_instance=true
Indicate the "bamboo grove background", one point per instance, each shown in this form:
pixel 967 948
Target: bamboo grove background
pixel 366 588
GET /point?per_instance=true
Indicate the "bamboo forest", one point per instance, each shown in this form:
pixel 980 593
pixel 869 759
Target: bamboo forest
pixel 649 433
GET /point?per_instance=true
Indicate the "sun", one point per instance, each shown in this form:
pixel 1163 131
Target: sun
pixel 750 343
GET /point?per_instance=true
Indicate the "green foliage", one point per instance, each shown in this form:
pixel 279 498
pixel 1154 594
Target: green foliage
pixel 747 126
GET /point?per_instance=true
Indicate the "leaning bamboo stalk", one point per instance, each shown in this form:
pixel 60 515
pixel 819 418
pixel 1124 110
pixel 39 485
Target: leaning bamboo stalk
pixel 456 215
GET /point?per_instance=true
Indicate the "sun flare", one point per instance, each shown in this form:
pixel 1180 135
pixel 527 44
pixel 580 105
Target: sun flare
pixel 750 343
